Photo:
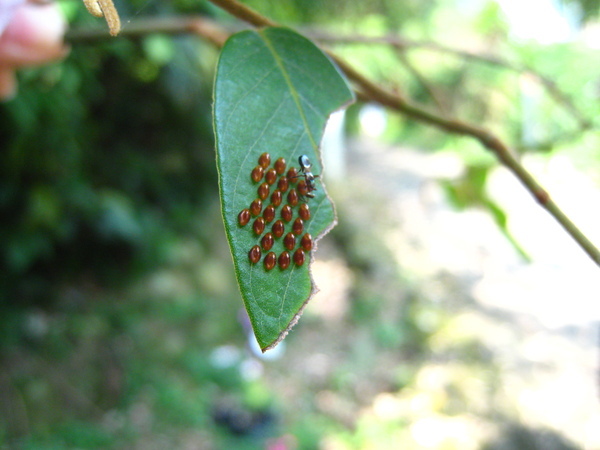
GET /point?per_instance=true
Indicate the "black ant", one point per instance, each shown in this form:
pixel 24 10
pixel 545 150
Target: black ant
pixel 305 166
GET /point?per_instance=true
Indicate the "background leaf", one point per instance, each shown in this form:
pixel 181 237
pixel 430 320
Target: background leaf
pixel 274 91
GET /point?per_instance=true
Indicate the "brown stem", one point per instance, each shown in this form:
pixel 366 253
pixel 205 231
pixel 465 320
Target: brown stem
pixel 369 91
pixel 200 26
pixel 404 44
pixel 397 102
pixel 244 13
pixel 486 138
pixel 420 78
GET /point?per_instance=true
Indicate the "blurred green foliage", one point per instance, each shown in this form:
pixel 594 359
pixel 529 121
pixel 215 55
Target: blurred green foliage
pixel 106 157
pixel 587 9
pixel 118 305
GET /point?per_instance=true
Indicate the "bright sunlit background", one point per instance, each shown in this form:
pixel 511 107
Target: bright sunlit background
pixel 453 312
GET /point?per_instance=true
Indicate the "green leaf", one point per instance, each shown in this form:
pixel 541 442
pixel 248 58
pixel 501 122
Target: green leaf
pixel 274 91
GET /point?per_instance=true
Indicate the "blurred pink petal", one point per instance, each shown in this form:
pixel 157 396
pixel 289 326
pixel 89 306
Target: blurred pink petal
pixel 33 35
pixel 7 9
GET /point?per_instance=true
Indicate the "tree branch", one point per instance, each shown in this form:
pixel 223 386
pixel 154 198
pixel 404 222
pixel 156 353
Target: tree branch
pixel 198 25
pixel 407 44
pixel 485 137
pixel 399 103
pixel 367 91
pixel 420 78
pixel 244 13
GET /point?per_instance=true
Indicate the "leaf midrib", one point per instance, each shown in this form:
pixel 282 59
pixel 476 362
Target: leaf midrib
pixel 288 81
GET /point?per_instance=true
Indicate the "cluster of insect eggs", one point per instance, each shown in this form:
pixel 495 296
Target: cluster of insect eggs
pixel 291 186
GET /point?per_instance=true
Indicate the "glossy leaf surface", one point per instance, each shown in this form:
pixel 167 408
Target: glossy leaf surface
pixel 274 91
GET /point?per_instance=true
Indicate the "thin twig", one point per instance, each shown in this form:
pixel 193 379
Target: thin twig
pixel 198 25
pixel 368 91
pixel 208 29
pixel 244 13
pixel 407 44
pixel 399 103
pixel 433 93
pixel 485 137
pixel 549 143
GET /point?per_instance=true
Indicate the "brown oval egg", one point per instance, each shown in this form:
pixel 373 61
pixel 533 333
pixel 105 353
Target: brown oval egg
pixel 283 184
pixel 304 211
pixel 298 226
pixel 244 217
pixel 292 197
pixel 259 226
pixel 269 213
pixel 270 260
pixel 278 228
pixel 286 213
pixel 263 191
pixel 289 241
pixel 299 257
pixel 292 174
pixel 306 242
pixel 257 174
pixel 256 207
pixel 264 160
pixel 280 166
pixel 271 176
pixel 284 260
pixel 276 198
pixel 267 241
pixel 302 187
pixel 254 254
